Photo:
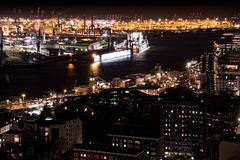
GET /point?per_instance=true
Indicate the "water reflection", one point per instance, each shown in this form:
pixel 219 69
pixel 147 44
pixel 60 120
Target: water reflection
pixel 70 66
pixel 71 70
pixel 95 69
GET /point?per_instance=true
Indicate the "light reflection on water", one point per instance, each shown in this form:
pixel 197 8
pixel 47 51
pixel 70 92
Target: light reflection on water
pixel 70 67
pixel 95 69
pixel 169 51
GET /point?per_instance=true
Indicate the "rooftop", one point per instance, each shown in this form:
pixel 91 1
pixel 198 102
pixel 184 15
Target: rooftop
pixel 53 120
pixel 109 149
pixel 134 131
pixel 179 94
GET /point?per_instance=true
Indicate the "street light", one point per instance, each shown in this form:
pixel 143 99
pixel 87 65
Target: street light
pixel 23 96
pixel 239 119
pixel 65 91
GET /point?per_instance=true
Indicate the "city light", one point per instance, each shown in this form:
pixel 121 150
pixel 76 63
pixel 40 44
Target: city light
pixel 109 77
pixel 23 95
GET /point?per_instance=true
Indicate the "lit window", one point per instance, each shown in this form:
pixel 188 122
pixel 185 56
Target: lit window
pixel 16 139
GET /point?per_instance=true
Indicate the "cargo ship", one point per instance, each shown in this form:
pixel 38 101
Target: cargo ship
pixel 135 44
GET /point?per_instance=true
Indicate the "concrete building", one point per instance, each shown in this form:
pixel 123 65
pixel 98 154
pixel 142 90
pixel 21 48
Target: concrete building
pixel 182 124
pixel 95 152
pixel 228 82
pixel 180 114
pixel 6 120
pixel 1 39
pixel 228 77
pixel 64 131
pixel 229 150
pixel 152 145
pixel 208 72
pixel 11 136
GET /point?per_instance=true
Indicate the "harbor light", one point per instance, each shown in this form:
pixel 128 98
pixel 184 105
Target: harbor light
pixel 23 95
pixel 188 65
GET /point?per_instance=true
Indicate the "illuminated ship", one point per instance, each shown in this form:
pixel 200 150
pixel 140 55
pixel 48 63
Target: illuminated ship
pixel 109 56
pixel 137 42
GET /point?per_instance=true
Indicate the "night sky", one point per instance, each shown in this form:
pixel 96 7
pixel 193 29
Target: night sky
pixel 140 8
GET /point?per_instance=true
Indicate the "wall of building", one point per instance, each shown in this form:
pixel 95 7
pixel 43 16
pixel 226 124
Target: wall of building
pixel 229 151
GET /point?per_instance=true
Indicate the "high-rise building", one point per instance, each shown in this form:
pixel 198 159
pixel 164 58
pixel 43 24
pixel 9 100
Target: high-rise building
pixel 208 72
pixel 152 145
pixel 228 77
pixel 181 120
pixel 182 124
pixel 1 40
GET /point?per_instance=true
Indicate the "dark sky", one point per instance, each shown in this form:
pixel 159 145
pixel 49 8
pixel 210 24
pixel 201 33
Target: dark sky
pixel 145 8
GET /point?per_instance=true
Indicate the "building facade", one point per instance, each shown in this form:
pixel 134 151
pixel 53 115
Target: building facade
pixel 208 72
pixel 152 146
pixel 183 127
pixel 65 133
pixel 100 152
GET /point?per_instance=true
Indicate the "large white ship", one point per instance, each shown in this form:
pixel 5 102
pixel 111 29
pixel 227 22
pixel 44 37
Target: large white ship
pixel 135 44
